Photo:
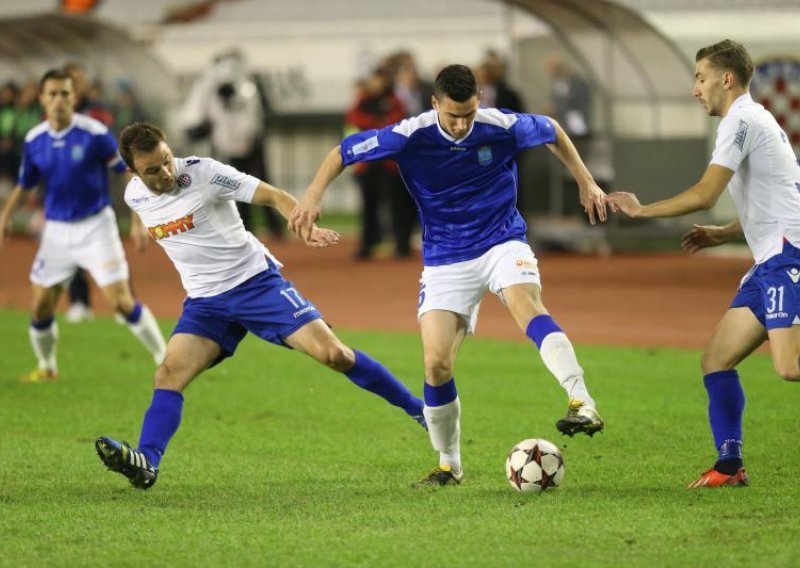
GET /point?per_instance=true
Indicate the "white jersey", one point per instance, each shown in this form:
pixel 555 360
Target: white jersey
pixel 766 182
pixel 199 226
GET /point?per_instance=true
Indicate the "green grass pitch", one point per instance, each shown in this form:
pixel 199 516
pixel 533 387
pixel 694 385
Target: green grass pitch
pixel 280 462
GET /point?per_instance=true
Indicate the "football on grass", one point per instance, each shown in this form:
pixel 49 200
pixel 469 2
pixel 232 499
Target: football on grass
pixel 534 465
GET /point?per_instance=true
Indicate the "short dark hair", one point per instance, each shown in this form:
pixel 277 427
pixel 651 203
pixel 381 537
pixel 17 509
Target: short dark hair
pixel 139 137
pixel 53 75
pixel 456 82
pixel 729 55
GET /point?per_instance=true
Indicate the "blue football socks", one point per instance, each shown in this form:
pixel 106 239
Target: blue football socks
pixel 161 421
pixel 374 377
pixel 442 394
pixel 540 327
pixel 725 409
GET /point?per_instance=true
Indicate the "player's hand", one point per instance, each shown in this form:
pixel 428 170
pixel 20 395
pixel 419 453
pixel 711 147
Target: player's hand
pixel 703 236
pixel 302 219
pixel 593 201
pixel 624 201
pixel 321 238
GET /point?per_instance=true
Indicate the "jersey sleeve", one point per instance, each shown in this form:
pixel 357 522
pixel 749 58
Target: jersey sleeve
pixel 108 151
pixel 371 145
pixel 228 183
pixel 29 175
pixel 533 130
pixel 734 141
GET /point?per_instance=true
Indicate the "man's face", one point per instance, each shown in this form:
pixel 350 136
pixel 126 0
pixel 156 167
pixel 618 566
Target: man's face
pixel 709 87
pixel 57 99
pixel 456 118
pixel 156 169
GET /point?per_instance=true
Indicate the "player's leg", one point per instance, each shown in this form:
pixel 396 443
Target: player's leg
pixel 514 277
pixel 785 347
pixel 186 357
pixel 138 317
pixel 443 333
pixel 80 307
pixel 316 339
pixel 737 335
pixel 43 333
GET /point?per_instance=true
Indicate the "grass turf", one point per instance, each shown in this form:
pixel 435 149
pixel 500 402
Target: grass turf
pixel 281 462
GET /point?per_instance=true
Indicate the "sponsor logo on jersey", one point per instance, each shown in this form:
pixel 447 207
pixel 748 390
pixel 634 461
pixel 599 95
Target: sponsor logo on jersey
pixel 172 228
pixel 365 146
pixel 794 274
pixel 457 149
pixel 225 181
pixel 775 85
pixel 526 263
pixel 192 162
pixel 77 153
pixel 484 155
pixel 138 200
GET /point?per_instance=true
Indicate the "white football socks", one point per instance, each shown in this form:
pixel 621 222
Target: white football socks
pixel 559 358
pixel 149 334
pixel 44 343
pixel 444 428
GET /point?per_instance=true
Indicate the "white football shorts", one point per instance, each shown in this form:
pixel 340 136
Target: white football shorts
pixel 459 287
pixel 91 243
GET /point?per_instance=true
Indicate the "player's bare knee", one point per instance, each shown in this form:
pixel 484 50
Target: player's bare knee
pixel 167 377
pixel 438 368
pixel 339 358
pixel 788 371
pixel 712 363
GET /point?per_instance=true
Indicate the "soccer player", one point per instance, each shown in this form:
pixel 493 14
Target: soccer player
pixel 754 159
pixel 457 162
pixel 233 283
pixel 72 153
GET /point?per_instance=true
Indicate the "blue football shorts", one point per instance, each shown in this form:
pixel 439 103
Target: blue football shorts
pixel 266 305
pixel 772 290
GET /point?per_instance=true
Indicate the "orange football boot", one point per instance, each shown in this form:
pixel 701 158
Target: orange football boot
pixel 40 376
pixel 714 478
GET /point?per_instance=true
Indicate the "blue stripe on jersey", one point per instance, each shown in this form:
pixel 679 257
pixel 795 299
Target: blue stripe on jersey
pixel 466 190
pixel 73 166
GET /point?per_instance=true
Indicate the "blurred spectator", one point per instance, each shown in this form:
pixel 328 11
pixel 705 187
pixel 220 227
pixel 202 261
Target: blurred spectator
pixel 571 98
pixel 126 106
pixel 495 91
pixel 414 92
pixel 8 101
pixel 571 106
pixel 377 106
pixel 229 105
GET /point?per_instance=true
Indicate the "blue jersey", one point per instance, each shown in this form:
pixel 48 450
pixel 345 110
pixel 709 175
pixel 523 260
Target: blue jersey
pixel 465 190
pixel 73 164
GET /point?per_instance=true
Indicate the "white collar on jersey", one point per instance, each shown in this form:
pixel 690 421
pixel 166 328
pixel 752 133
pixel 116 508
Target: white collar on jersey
pixel 740 101
pixel 61 133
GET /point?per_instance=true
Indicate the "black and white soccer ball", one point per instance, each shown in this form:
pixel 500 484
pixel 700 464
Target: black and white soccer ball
pixel 534 465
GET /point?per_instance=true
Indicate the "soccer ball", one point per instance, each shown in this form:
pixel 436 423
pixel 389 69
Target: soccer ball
pixel 534 465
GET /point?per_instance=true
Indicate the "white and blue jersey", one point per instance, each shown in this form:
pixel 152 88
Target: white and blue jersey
pixel 465 190
pixel 73 164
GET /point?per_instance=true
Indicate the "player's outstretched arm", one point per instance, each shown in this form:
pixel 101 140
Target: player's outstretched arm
pixel 704 236
pixel 307 211
pixel 271 196
pixel 702 195
pixel 5 216
pixel 591 196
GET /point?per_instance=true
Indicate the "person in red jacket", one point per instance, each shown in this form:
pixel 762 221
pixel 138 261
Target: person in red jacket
pixel 377 106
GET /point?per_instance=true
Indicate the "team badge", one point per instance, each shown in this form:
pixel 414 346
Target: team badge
pixel 184 180
pixel 77 153
pixel 484 155
pixel 776 85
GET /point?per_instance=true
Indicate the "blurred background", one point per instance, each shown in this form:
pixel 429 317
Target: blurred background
pixel 272 85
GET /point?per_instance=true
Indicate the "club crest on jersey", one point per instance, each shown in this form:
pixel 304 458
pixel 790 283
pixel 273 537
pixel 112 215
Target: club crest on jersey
pixel 77 153
pixel 794 274
pixel 184 180
pixel 171 228
pixel 484 155
pixel 776 82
